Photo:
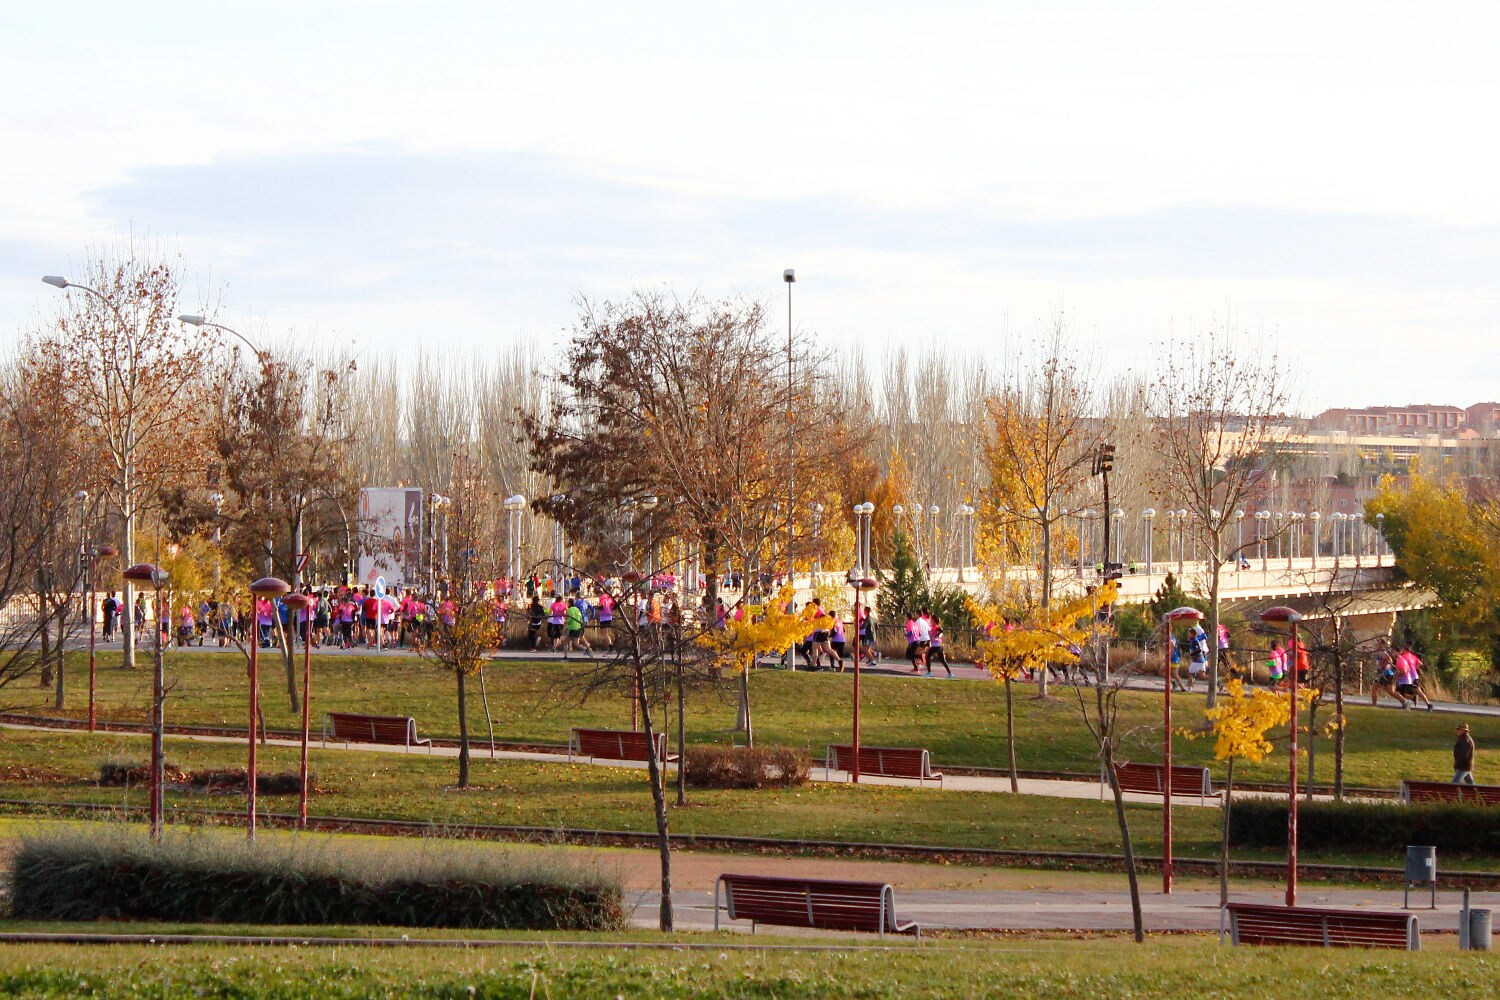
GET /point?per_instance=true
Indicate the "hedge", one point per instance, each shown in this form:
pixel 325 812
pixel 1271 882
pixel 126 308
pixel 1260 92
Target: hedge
pixel 746 767
pixel 109 874
pixel 1368 826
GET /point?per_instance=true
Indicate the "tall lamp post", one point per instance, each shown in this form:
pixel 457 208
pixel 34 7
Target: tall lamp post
pixel 93 556
pixel 1316 517
pixel 1262 519
pixel 790 277
pixel 1282 615
pixel 860 580
pixel 1169 619
pixel 306 603
pixel 513 506
pixel 150 573
pixel 269 587
pixel 817 566
pixel 1380 543
pixel 1148 515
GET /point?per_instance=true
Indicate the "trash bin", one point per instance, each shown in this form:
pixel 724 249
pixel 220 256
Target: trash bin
pixel 1421 870
pixel 1479 930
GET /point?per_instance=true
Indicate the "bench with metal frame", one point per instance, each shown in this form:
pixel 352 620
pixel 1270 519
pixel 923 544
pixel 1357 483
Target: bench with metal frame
pixel 885 762
pixel 1443 791
pixel 395 730
pixel 1150 779
pixel 1258 923
pixel 616 744
pixel 822 903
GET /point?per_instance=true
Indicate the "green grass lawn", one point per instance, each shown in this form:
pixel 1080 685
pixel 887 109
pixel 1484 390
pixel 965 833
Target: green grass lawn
pixel 960 722
pixel 1027 968
pixel 60 767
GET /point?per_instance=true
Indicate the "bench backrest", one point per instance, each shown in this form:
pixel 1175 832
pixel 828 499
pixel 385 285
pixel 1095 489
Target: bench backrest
pixel 1256 923
pixel 401 729
pixel 1442 791
pixel 617 744
pixel 854 906
pixel 895 762
pixel 1186 779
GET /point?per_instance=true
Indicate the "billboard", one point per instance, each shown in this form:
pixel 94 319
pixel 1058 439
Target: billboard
pixel 390 532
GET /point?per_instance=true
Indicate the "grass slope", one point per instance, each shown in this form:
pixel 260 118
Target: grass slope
pixel 960 722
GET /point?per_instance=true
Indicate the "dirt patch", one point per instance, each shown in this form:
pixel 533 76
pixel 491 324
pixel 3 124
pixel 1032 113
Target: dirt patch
pixel 33 774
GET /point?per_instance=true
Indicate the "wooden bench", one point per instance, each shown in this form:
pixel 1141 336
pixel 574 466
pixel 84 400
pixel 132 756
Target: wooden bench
pixel 616 744
pixel 1150 779
pixel 397 730
pixel 821 903
pixel 885 762
pixel 1256 923
pixel 1442 791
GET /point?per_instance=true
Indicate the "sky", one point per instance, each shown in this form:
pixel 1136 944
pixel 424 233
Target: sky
pixel 1318 179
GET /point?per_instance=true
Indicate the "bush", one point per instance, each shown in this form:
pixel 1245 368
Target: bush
pixel 1372 826
pixel 746 767
pixel 115 874
pixel 125 773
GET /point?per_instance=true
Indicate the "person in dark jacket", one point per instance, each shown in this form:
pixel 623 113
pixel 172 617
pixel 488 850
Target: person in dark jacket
pixel 1463 757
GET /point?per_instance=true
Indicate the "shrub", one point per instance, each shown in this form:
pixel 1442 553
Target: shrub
pixel 1368 826
pixel 116 874
pixel 114 773
pixel 746 767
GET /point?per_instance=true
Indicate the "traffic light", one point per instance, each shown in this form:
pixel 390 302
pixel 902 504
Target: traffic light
pixel 1105 460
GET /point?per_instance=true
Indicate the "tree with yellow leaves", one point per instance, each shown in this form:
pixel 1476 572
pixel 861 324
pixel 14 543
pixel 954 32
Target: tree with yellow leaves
pixel 1239 724
pixel 741 643
pixel 1054 634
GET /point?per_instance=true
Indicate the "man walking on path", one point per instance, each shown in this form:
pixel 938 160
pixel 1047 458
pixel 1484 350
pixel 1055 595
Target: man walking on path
pixel 1463 757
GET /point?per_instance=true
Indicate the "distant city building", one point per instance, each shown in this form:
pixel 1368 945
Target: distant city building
pixel 1403 421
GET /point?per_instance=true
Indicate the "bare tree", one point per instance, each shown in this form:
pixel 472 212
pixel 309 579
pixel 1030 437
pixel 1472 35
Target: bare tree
pixel 1218 409
pixel 141 383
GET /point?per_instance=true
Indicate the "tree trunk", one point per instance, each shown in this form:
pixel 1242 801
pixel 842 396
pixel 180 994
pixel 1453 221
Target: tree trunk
pixel 1010 737
pixel 745 718
pixel 289 655
pixel 681 734
pixel 1224 836
pixel 1338 707
pixel 463 730
pixel 658 796
pixel 1213 631
pixel 44 610
pixel 1046 595
pixel 1312 747
pixel 1106 747
pixel 62 631
pixel 127 597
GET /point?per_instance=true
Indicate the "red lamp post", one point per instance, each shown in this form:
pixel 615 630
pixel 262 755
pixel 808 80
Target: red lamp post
pixel 1285 615
pixel 304 603
pixel 860 586
pixel 267 587
pixel 99 552
pixel 155 576
pixel 1169 619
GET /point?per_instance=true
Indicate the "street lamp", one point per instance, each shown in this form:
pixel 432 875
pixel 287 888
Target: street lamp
pixel 790 277
pixel 1380 542
pixel 1316 517
pixel 1182 516
pixel 268 587
pixel 1358 517
pixel 155 576
pixel 650 503
pixel 202 321
pixel 1171 618
pixel 1338 518
pixel 1118 514
pixel 1262 519
pixel 1239 534
pixel 1284 615
pixel 304 603
pixel 861 586
pixel 1148 515
pixel 217 499
pixel 932 547
pixel 513 506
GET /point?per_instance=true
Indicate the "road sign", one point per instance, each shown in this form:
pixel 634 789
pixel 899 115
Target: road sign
pixel 380 586
pixel 301 561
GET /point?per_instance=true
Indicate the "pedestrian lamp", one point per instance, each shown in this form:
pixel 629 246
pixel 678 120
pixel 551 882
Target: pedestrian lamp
pixel 268 587
pixel 861 587
pixel 513 506
pixel 1169 619
pixel 1182 518
pixel 1148 515
pixel 1118 514
pixel 649 503
pixel 1380 544
pixel 1317 540
pixel 305 604
pixel 1239 534
pixel 1338 518
pixel 1278 616
pixel 150 573
pixel 1296 519
pixel 90 565
pixel 1262 517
